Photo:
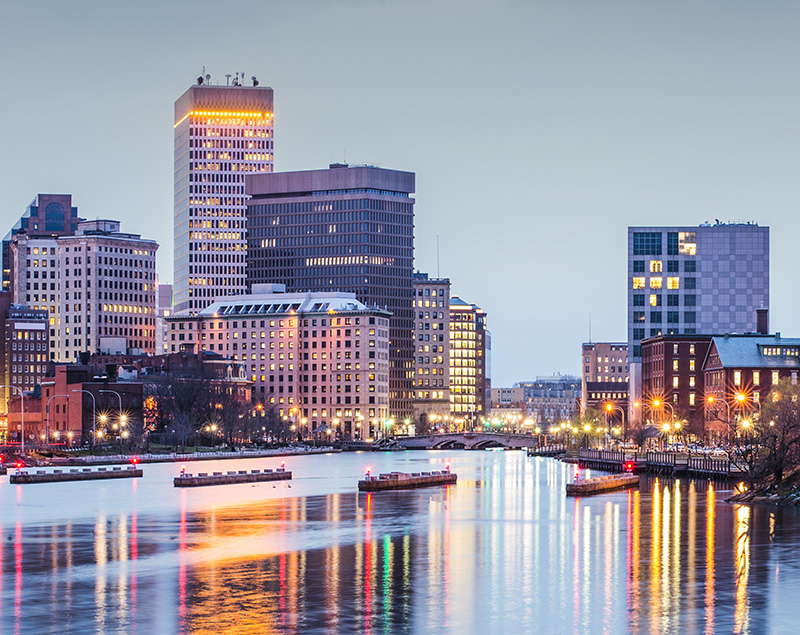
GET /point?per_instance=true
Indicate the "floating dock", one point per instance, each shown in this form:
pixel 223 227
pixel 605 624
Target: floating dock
pixel 242 476
pixel 600 484
pixel 402 480
pixel 24 476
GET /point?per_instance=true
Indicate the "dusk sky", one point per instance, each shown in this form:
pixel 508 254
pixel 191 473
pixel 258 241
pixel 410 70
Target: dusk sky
pixel 538 131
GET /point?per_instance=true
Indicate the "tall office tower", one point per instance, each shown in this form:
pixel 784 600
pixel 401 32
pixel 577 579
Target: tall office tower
pixel 688 280
pixel 431 306
pixel 222 133
pixel 48 215
pixel 348 229
pixel 470 347
pixel 107 298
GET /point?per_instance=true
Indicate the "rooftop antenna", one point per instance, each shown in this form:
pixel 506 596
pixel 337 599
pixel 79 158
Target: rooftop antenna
pixel 438 272
pixel 227 79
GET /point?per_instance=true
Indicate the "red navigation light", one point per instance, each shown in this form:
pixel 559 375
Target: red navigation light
pixel 629 467
pixel 18 464
pixel 135 460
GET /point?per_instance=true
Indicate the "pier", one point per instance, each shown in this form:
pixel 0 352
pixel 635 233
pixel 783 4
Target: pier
pixel 25 476
pixel 583 487
pixel 668 463
pixel 401 480
pixel 241 476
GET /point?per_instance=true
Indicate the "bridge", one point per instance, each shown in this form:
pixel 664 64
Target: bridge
pixel 463 441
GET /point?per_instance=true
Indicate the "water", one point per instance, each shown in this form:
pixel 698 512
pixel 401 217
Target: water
pixel 502 551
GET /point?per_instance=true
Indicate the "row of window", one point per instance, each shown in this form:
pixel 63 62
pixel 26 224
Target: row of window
pixel 673 317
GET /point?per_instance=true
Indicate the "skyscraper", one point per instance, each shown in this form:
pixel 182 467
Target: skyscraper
pixel 222 133
pixel 689 280
pixel 341 229
pixel 470 364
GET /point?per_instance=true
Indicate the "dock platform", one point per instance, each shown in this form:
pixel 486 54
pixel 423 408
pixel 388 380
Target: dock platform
pixel 241 476
pixel 402 480
pixel 600 484
pixel 26 476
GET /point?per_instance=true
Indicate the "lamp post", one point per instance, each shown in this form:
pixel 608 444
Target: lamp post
pixel 94 415
pixel 740 398
pixel 610 408
pixel 48 414
pixel 22 410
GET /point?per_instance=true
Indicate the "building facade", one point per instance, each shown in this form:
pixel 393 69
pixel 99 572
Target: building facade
pixel 222 134
pixel 347 228
pixel 319 358
pixel 552 399
pixel 689 280
pixel 431 306
pixel 163 311
pixel 602 362
pixel 48 215
pixel 470 344
pixel 107 296
pixel 24 354
pixel 739 372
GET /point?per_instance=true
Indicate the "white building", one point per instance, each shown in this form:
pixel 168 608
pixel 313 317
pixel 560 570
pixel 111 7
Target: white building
pixel 222 133
pixel 107 295
pixel 163 311
pixel 318 358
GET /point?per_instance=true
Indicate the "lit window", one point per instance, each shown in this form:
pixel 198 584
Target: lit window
pixel 756 377
pixel 674 364
pixel 737 378
pixel 776 376
pixel 687 243
pixel 655 283
pixel 691 381
pixel 673 283
pixel 691 398
pixel 653 299
pixel 691 364
pixel 638 283
pixel 655 266
pixel 674 382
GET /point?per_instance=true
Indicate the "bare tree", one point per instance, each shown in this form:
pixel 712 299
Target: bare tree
pixel 776 433
pixel 181 404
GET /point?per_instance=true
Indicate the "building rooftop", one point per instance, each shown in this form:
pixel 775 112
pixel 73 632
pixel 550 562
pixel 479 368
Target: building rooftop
pixel 758 351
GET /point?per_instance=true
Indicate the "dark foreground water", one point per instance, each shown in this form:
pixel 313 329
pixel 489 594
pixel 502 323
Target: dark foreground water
pixel 503 551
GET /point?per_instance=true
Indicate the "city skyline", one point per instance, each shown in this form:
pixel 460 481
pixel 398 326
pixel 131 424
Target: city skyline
pixel 538 134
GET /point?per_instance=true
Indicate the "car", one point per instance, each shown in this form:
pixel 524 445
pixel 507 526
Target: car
pixel 718 452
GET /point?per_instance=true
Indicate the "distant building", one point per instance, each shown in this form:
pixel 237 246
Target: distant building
pixel 470 346
pixel 318 358
pixel 107 300
pixel 552 399
pixel 690 280
pixel 48 215
pixel 603 362
pixel 222 134
pixel 504 402
pixel 431 306
pixel 163 311
pixel 609 398
pixel 347 228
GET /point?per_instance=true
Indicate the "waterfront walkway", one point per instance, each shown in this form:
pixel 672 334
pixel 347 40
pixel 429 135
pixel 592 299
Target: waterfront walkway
pixel 672 463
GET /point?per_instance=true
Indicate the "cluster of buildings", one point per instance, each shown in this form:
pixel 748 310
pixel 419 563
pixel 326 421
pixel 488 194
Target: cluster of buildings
pixel 304 281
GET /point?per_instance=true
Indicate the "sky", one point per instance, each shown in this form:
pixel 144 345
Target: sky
pixel 538 131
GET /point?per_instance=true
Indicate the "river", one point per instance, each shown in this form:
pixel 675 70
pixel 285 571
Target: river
pixel 502 551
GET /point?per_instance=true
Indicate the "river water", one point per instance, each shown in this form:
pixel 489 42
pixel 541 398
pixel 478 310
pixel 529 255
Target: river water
pixel 502 551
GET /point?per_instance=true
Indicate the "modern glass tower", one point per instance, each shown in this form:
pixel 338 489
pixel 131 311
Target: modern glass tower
pixel 222 133
pixel 347 228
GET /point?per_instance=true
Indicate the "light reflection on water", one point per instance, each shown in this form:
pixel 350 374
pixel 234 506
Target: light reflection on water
pixel 503 550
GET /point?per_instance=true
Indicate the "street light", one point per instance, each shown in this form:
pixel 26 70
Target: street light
pixel 94 415
pixel 48 414
pixel 22 410
pixel 610 408
pixel 122 417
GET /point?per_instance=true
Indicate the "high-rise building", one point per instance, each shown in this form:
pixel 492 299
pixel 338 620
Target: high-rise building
pixel 48 215
pixel 689 280
pixel 320 359
pixel 431 306
pixel 347 228
pixel 107 294
pixel 470 346
pixel 222 133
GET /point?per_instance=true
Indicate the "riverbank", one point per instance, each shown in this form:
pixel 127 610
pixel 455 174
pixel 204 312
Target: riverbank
pixel 787 492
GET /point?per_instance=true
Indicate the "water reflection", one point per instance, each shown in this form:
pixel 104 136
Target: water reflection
pixel 503 550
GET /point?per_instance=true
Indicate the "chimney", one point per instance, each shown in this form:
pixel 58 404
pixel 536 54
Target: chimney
pixel 762 321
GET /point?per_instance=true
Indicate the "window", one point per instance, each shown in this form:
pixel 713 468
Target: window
pixel 737 378
pixel 776 376
pixel 690 317
pixel 638 299
pixel 691 381
pixel 638 283
pixel 672 244
pixel 656 266
pixel 690 300
pixel 655 283
pixel 756 378
pixel 691 398
pixel 638 266
pixel 673 266
pixel 674 349
pixel 673 299
pixel 690 283
pixel 691 364
pixel 687 243
pixel 673 317
pixel 674 382
pixel 690 266
pixel 673 283
pixel 647 244
pixel 638 334
pixel 655 299
pixel 674 364
pixel 655 317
